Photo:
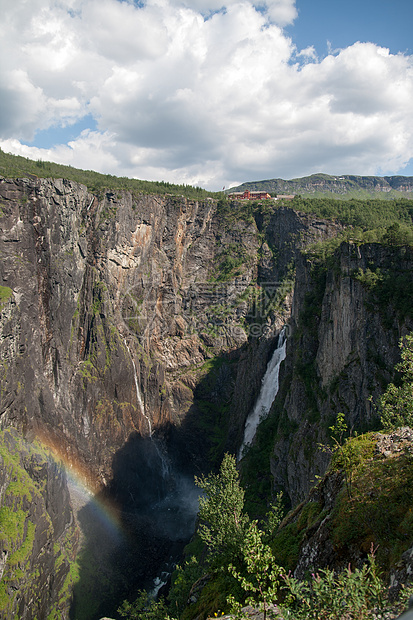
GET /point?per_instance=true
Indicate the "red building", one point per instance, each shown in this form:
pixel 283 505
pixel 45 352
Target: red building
pixel 247 195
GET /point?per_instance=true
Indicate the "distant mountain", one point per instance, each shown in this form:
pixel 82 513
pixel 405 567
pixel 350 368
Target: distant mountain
pixel 344 186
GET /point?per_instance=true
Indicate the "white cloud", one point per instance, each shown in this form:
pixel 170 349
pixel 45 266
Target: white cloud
pixel 198 91
pixel 91 151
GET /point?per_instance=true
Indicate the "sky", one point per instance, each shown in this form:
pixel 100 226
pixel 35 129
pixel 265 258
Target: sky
pixel 210 94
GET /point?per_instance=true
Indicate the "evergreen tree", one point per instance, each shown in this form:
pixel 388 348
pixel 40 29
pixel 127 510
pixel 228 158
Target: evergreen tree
pixel 223 523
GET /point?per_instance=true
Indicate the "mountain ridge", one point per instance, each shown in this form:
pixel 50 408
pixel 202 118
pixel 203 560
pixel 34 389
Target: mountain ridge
pixel 342 186
pixel 316 185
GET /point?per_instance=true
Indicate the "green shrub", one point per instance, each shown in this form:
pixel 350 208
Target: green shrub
pixel 5 294
pixel 396 404
pixel 144 608
pixel 223 522
pixel 327 596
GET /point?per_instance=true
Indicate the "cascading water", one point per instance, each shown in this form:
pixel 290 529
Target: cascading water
pixel 165 465
pixel 268 392
pixel 138 392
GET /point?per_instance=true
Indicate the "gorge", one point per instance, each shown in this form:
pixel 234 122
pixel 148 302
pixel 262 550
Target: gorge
pixel 136 330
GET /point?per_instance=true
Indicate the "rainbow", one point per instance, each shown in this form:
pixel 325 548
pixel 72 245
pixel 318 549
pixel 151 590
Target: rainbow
pixel 83 488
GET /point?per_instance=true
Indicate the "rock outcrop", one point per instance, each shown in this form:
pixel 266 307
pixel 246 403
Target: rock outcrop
pixel 321 547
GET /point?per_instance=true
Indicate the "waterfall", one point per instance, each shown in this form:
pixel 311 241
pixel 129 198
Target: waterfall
pixel 138 392
pixel 165 464
pixel 269 389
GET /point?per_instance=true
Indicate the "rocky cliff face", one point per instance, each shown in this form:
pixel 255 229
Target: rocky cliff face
pixel 347 319
pixel 126 314
pixel 123 316
pixel 38 537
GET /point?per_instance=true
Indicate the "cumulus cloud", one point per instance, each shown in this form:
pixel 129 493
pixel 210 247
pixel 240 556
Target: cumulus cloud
pixel 198 91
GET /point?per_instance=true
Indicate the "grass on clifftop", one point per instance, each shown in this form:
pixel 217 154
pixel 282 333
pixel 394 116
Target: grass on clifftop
pixel 15 166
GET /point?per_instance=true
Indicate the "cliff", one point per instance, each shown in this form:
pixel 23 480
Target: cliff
pixel 122 307
pixel 38 537
pixel 340 522
pixel 348 315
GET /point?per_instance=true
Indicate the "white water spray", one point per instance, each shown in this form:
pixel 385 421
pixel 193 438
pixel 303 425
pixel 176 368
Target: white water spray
pixel 269 389
pixel 138 392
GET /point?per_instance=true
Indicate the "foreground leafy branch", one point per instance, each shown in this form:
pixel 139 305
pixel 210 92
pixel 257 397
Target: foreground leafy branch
pixel 262 579
pixel 396 404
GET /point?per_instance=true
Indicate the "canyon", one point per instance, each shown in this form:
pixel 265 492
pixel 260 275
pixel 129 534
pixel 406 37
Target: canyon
pixel 135 333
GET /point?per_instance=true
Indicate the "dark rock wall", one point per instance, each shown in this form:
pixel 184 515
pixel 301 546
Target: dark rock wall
pixel 343 348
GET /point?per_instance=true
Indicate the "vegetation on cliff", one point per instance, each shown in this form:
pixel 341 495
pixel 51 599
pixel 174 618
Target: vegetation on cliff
pixel 361 214
pixel 37 539
pixel 396 404
pixel 15 166
pixel 243 563
pixel 361 511
pixel 5 294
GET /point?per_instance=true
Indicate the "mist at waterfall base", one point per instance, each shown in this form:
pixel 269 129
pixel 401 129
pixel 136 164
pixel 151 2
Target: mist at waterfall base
pixel 268 392
pixel 157 503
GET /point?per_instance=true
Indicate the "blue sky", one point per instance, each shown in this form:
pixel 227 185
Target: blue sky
pixel 194 91
pixel 385 22
pixel 57 134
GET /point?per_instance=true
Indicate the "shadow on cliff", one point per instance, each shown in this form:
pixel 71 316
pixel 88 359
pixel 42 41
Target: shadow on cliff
pixel 223 398
pixel 136 529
